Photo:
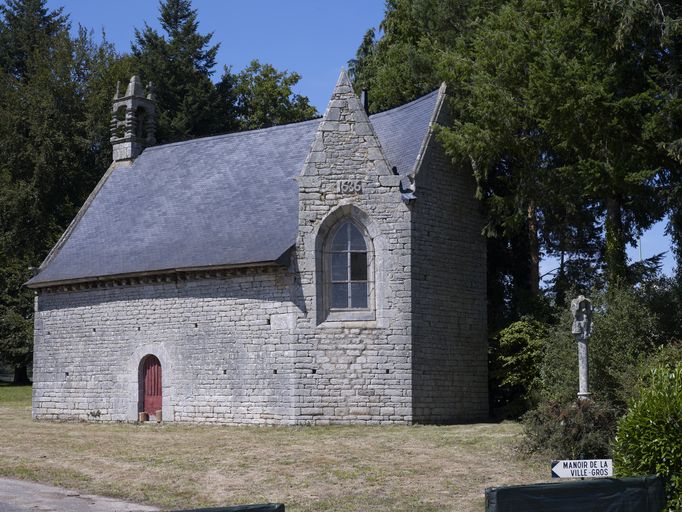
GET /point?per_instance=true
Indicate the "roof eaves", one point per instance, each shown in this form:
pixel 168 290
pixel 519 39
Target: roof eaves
pixel 281 261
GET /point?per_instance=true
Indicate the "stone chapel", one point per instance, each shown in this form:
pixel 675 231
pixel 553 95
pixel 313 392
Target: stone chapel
pixel 328 271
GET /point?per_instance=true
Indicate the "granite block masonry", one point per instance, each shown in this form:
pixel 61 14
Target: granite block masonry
pixel 330 271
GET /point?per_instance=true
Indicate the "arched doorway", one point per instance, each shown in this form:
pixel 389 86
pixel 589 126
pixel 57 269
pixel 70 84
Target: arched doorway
pixel 150 384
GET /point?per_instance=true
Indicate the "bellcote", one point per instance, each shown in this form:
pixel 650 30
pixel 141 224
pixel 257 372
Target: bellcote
pixel 133 120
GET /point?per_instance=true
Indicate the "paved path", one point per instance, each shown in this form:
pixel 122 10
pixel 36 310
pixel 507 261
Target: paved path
pixel 21 496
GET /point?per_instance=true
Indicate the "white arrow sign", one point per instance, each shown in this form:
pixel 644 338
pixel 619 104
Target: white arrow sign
pixel 591 468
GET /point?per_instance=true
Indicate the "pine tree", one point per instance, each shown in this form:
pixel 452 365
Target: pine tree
pixel 359 67
pixel 180 64
pixel 55 96
pixel 596 98
pixel 42 148
pixel 26 25
pixel 567 113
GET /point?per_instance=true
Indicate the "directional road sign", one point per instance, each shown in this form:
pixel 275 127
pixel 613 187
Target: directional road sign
pixel 589 468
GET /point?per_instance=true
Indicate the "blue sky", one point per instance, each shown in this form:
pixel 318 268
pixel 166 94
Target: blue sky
pixel 315 38
pixel 653 242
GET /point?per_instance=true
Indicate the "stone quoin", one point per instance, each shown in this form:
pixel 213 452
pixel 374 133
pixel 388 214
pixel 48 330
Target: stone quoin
pixel 329 271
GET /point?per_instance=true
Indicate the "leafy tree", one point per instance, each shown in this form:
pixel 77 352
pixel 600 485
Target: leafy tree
pixel 565 111
pixel 424 43
pixel 180 64
pixel 497 135
pixel 401 65
pixel 261 96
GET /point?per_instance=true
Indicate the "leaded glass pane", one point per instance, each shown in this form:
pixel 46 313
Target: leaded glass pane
pixel 357 241
pixel 348 272
pixel 358 266
pixel 358 295
pixel 340 242
pixel 339 266
pixel 340 295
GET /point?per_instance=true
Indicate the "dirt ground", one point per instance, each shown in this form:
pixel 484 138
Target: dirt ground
pixel 24 496
pixel 310 469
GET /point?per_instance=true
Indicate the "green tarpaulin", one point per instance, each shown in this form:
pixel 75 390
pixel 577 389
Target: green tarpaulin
pixel 269 507
pixel 639 494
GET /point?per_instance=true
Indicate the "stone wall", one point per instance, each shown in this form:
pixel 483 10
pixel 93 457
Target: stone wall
pixel 450 367
pixel 220 342
pixel 229 348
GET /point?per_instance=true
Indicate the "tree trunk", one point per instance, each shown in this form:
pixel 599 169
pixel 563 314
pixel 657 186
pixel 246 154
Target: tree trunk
pixel 616 259
pixel 675 230
pixel 560 281
pixel 534 250
pixel 21 376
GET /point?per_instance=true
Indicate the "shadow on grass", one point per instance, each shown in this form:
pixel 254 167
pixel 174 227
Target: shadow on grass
pixel 14 395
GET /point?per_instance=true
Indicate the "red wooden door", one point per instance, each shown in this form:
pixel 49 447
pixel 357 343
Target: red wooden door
pixel 151 374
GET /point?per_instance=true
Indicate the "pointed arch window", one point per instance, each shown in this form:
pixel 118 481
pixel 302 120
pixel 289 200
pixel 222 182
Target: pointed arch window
pixel 349 269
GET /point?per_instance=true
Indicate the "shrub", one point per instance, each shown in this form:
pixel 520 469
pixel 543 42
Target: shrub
pixel 666 355
pixel 559 367
pixel 625 331
pixel 649 436
pixel 515 356
pixel 574 430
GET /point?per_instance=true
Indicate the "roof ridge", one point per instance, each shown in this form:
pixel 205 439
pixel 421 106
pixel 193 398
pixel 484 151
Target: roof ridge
pixel 285 126
pixel 233 134
pixel 405 106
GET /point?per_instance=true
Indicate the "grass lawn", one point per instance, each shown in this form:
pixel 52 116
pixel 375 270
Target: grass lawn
pixel 312 469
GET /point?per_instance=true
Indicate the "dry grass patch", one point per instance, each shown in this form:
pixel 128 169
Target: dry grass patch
pixel 309 469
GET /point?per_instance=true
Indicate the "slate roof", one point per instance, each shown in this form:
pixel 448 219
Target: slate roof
pixel 216 201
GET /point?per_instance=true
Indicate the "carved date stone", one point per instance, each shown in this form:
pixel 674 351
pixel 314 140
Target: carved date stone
pixel 349 186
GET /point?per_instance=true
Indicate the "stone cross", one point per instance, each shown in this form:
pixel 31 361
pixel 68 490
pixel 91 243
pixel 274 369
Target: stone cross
pixel 581 309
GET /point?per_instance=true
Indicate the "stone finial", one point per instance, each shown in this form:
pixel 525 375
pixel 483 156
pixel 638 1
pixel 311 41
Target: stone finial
pixel 150 92
pixel 135 87
pixel 343 82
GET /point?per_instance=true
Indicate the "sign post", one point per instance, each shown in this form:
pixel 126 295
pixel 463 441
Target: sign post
pixel 583 468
